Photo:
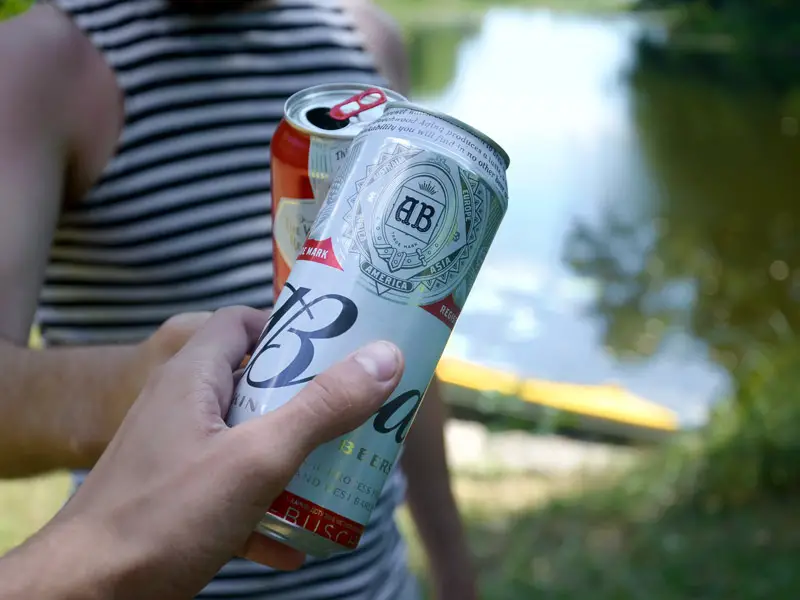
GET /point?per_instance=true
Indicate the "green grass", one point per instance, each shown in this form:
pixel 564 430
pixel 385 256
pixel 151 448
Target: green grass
pixel 10 8
pixel 651 533
pixel 638 536
pixel 575 551
pixel 427 12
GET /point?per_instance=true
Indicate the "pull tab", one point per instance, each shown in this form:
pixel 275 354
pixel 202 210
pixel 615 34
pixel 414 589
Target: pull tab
pixel 359 103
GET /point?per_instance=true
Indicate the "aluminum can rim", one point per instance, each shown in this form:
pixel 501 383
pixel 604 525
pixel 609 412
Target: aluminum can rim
pixel 304 100
pixel 453 121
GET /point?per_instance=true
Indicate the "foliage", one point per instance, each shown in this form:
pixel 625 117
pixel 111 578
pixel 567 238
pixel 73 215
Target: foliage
pixel 433 53
pixel 654 533
pixel 757 26
pixel 714 252
pixel 427 12
pixel 10 8
pixel 753 449
pixel 574 551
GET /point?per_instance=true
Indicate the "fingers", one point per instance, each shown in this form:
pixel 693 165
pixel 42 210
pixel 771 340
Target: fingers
pixel 335 402
pixel 188 322
pixel 212 354
pixel 271 553
pixel 174 332
pixel 226 337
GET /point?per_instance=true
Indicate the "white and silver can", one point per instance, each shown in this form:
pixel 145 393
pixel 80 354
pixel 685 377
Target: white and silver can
pixel 392 256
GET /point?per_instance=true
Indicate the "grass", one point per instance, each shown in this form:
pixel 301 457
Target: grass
pixel 26 505
pixel 10 8
pixel 641 535
pixel 635 535
pixel 573 550
pixel 426 12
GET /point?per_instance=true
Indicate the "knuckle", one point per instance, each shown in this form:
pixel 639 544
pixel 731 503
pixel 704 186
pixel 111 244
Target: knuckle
pixel 173 334
pixel 183 320
pixel 184 376
pixel 209 377
pixel 228 313
pixel 232 313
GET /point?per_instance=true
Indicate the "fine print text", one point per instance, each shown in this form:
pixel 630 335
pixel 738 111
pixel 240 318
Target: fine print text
pixel 338 483
pixel 485 159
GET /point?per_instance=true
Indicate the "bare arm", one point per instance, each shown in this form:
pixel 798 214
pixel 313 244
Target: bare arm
pixel 431 501
pixel 384 40
pixel 58 117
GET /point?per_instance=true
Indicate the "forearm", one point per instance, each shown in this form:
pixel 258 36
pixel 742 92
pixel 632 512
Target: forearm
pixel 69 561
pixel 430 496
pixel 57 405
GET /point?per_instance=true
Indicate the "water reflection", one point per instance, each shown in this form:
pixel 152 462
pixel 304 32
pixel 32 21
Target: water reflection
pixel 593 168
pixel 433 53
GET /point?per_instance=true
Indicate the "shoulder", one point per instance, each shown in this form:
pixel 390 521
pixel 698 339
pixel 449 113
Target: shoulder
pixel 45 50
pixel 55 79
pixel 384 39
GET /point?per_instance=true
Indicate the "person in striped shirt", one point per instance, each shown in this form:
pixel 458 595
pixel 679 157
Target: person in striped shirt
pixel 134 198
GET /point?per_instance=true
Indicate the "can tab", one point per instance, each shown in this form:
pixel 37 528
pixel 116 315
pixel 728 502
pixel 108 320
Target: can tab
pixel 359 103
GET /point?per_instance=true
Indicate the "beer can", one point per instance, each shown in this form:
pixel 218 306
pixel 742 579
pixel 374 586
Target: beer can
pixel 392 255
pixel 310 143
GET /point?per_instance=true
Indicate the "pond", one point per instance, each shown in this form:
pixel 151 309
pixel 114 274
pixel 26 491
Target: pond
pixel 650 232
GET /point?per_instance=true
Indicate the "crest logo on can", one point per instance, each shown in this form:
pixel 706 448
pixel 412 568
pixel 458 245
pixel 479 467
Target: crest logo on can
pixel 412 228
pixel 414 222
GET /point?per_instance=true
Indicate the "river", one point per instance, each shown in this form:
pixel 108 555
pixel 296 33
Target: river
pixel 620 253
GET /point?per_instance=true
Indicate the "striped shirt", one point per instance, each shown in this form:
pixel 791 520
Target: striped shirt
pixel 180 219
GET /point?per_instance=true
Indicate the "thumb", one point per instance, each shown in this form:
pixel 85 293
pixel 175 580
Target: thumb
pixel 333 403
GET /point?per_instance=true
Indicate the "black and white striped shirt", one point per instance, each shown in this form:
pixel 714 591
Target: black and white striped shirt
pixel 180 219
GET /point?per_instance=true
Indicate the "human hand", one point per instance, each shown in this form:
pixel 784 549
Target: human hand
pixel 147 357
pixel 178 493
pixel 171 336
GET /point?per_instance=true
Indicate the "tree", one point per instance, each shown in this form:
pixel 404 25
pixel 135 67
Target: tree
pixel 715 252
pixel 10 8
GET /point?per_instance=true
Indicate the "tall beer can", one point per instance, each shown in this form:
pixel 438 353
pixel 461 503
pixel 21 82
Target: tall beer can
pixel 309 145
pixel 391 256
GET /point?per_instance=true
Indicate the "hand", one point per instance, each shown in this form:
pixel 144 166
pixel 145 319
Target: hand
pixel 148 356
pixel 171 337
pixel 178 493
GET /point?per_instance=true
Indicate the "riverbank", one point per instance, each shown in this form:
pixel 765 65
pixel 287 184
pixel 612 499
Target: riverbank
pixel 570 550
pixel 422 12
pixel 650 532
pixel 526 467
pixel 634 529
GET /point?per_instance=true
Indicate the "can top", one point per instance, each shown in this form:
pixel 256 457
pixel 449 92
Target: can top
pixel 309 110
pixel 453 121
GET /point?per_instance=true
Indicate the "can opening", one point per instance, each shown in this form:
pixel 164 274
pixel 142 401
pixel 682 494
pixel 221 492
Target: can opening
pixel 321 117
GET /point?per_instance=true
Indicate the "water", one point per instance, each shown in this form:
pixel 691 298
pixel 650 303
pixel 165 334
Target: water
pixel 645 208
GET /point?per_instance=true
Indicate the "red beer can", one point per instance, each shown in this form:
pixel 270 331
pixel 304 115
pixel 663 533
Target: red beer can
pixel 308 147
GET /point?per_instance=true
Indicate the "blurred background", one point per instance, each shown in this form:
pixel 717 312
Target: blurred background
pixel 623 377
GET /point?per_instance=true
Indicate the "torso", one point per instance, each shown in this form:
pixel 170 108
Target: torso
pixel 180 218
